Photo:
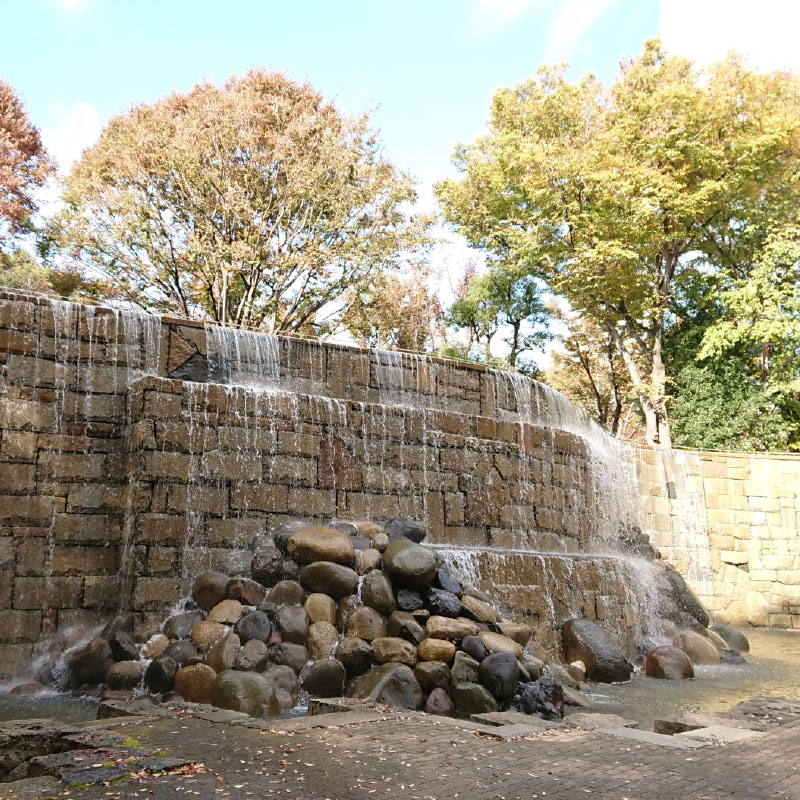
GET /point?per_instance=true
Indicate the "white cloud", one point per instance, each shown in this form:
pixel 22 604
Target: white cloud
pixel 574 18
pixel 76 128
pixel 765 32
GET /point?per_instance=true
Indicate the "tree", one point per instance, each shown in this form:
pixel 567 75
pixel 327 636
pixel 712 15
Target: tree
pixel 256 203
pixel 607 193
pixel 24 166
pixel 590 373
pixel 502 298
pixel 395 312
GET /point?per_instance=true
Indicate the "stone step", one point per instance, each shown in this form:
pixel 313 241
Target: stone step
pixel 691 721
pixel 648 737
pixel 720 734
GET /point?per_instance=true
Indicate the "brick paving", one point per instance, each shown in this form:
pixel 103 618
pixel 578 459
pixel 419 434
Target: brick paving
pixel 414 757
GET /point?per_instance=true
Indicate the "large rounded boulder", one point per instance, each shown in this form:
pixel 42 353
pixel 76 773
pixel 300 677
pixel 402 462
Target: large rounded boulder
pixel 248 692
pixel 324 678
pixel 409 564
pixel 335 580
pixel 256 625
pixel 376 592
pixel 668 663
pixel 586 641
pixel 735 640
pixel 209 589
pixel 195 684
pixel 499 673
pixel 390 684
pixel 89 664
pixel 699 649
pixel 320 544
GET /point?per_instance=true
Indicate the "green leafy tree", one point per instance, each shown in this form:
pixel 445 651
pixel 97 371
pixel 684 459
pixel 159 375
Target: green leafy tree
pixel 501 299
pixel 255 203
pixel 608 192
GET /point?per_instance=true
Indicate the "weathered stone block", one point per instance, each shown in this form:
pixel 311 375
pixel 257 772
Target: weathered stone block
pixel 47 592
pixel 155 593
pixel 259 497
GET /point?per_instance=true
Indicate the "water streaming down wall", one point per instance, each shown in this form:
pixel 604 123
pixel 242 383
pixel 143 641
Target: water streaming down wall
pixel 161 449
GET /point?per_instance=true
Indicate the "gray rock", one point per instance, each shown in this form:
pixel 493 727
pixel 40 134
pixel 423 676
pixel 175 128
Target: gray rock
pixel 253 657
pixel 290 655
pixel 409 600
pixel 465 669
pixel 21 740
pixel 439 702
pixel 544 698
pixel 209 589
pixel 404 529
pixel 335 580
pixel 248 692
pixel 89 664
pixel 255 625
pixel 403 624
pixel 735 640
pixel 356 655
pixel 586 641
pixel 290 570
pixel 292 622
pixel 324 678
pixel 180 650
pixel 376 592
pixel 159 677
pixel 284 682
pixel 266 566
pixel 432 674
pixel 444 580
pixel 123 648
pixel 390 684
pixel 668 663
pixel 472 698
pixel 287 593
pixel 409 564
pixel 499 673
pixel 475 647
pixel 179 626
pixel 674 593
pixel 442 603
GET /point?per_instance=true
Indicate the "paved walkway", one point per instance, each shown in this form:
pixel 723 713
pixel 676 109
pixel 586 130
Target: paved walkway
pixel 414 757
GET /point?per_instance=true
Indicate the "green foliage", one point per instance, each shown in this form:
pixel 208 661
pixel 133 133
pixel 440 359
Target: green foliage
pixel 605 192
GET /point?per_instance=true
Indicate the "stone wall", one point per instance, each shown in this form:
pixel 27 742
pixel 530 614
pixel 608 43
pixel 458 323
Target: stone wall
pixel 117 487
pixel 729 523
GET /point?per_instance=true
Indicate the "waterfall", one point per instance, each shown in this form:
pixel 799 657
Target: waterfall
pixel 242 357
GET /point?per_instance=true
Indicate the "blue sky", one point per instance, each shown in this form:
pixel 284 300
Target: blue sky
pixel 427 67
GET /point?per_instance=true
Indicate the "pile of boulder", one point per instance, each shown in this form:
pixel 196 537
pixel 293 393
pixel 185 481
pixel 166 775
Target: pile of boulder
pixel 359 611
pixel 368 612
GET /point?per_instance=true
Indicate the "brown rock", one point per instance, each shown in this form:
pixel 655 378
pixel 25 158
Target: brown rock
pixel 292 622
pixel 253 657
pixel 367 624
pixel 497 643
pixel 431 674
pixel 322 638
pixel 247 592
pixel 436 650
pixel 699 649
pixel 228 612
pixel 321 544
pixel 376 592
pixel 209 589
pixel 124 674
pixel 207 632
pixel 369 530
pixel 380 541
pixel 356 655
pixel 520 633
pixel 447 628
pixel 195 684
pixel 222 654
pixel 668 663
pixel 287 593
pixel 367 560
pixel 439 702
pixel 321 608
pixel 392 649
pixel 154 646
pixel 404 625
pixel 266 566
pixel 573 697
pixel 347 605
pixel 483 611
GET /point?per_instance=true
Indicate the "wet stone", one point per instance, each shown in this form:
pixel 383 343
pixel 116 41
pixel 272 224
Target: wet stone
pixel 180 650
pixel 266 566
pixel 444 580
pixel 255 625
pixel 179 626
pixel 289 593
pixel 409 600
pixel 443 603
pixel 246 591
pixel 160 674
pixel 253 657
pixel 209 589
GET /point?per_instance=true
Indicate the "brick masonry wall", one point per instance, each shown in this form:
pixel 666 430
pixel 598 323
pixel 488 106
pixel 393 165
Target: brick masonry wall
pixel 728 522
pixel 124 473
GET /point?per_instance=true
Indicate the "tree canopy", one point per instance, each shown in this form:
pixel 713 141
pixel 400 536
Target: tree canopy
pixel 613 194
pixel 24 165
pixel 255 203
